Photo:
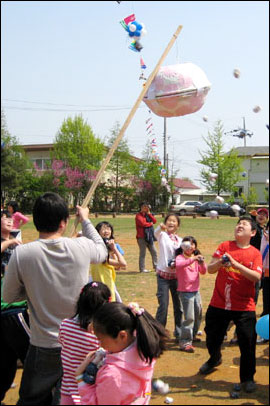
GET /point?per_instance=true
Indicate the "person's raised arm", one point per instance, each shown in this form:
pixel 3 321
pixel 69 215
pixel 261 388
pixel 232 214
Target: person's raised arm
pixel 214 265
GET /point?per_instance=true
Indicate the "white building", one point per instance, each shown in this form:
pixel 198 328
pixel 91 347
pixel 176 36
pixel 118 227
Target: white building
pixel 256 171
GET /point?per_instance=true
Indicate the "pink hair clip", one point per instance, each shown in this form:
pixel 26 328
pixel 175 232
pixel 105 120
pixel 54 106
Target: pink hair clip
pixel 94 285
pixel 135 308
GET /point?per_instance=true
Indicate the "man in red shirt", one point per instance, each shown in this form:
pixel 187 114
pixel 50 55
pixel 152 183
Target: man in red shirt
pixel 145 235
pixel 239 266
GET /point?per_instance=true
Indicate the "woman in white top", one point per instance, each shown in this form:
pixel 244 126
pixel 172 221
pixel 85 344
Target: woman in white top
pixel 168 240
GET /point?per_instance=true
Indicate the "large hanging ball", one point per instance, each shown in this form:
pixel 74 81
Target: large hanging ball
pixel 262 327
pixel 177 90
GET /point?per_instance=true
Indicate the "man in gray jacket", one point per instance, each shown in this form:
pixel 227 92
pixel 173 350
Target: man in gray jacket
pixel 50 273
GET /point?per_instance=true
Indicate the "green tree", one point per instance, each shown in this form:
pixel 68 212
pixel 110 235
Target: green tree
pixel 226 165
pixel 149 186
pixel 14 164
pixel 77 146
pixel 122 168
pixel 251 198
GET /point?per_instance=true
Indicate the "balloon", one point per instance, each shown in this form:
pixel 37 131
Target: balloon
pixel 256 109
pixel 177 90
pixel 262 327
pixel 219 199
pixel 236 73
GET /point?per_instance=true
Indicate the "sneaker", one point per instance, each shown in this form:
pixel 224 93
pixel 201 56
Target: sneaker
pixel 145 271
pixel 261 340
pixel 187 348
pixel 207 368
pixel 249 386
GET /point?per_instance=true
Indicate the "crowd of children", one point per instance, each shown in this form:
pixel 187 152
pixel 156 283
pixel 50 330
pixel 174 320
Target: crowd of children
pixel 86 346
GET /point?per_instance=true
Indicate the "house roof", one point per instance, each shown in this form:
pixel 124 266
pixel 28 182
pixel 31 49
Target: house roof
pixel 184 184
pixel 252 151
pixel 46 147
pixel 37 147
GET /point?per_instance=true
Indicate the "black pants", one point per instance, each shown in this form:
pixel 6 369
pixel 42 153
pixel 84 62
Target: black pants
pixel 14 344
pixel 265 291
pixel 216 324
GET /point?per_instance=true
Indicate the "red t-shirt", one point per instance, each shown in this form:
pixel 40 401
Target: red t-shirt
pixel 233 291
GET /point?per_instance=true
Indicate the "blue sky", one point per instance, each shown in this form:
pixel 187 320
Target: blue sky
pixel 60 59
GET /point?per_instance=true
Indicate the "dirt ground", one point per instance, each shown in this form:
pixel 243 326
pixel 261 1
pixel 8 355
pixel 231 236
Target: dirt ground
pixel 178 369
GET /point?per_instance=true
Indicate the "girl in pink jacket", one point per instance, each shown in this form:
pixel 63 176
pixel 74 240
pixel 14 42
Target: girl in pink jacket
pixel 133 340
pixel 18 218
pixel 189 265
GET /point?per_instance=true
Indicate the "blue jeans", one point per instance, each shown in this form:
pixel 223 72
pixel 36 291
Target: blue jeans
pixel 41 379
pixel 164 286
pixel 192 309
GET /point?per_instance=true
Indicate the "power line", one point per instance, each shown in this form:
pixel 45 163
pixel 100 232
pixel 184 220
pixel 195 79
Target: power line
pixel 62 110
pixel 58 104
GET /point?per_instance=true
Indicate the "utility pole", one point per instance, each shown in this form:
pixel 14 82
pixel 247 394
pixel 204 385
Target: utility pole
pixel 244 128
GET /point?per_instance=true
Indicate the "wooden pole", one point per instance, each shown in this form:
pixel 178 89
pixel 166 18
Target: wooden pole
pixel 125 125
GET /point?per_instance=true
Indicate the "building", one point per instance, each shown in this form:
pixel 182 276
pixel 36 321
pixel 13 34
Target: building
pixel 186 190
pixel 256 172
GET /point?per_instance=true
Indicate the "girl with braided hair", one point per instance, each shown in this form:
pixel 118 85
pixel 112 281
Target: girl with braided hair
pixel 133 340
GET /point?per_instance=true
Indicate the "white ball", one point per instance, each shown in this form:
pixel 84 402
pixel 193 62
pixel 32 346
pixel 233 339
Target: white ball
pixel 213 176
pixel 236 208
pixel 205 118
pixel 161 387
pixel 219 199
pixel 267 181
pixel 236 73
pixel 168 400
pixel 186 245
pixel 213 213
pixel 256 109
pixel 165 389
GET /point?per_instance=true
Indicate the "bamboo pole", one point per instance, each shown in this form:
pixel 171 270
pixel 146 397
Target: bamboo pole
pixel 125 125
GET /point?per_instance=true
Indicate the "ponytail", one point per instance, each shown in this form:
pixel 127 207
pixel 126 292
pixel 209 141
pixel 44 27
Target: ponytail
pixel 151 335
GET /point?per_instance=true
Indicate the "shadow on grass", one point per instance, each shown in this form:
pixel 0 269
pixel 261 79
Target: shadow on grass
pixel 198 386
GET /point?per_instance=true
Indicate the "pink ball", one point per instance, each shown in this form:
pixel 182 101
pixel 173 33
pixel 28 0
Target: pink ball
pixel 177 90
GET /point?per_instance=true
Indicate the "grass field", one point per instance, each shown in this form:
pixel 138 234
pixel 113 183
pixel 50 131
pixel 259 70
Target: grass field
pixel 174 367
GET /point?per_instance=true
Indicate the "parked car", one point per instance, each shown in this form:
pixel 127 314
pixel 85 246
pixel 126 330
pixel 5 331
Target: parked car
pixel 184 207
pixel 221 208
